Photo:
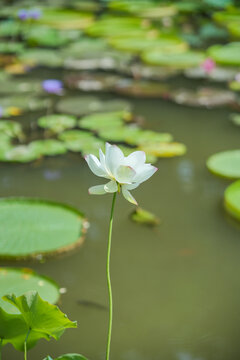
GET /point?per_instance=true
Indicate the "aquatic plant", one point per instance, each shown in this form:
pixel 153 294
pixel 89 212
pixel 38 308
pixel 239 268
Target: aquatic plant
pixel 124 173
pixel 53 86
pixel 34 319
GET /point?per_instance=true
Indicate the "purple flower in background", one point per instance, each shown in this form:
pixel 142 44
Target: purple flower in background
pixel 53 86
pixel 34 14
pixel 23 14
pixel 1 112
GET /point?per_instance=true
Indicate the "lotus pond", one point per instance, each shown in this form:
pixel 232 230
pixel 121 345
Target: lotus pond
pixel 145 75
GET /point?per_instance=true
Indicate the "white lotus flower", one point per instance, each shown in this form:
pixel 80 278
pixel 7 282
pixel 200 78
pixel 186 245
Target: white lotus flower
pixel 125 173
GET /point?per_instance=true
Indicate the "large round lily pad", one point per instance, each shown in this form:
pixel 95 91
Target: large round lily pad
pixel 83 105
pixel 33 228
pixel 225 164
pixel 226 54
pixel 148 42
pixel 66 19
pixel 179 60
pixel 232 199
pixel 21 280
pixel 57 123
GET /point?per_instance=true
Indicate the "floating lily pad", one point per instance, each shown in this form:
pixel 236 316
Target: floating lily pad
pixel 110 26
pixel 33 228
pixel 48 37
pixel 21 153
pixel 101 121
pixel 21 280
pixel 57 123
pixel 66 19
pixel 83 105
pixel 228 54
pixel 81 141
pixel 148 42
pixel 232 199
pixel 208 97
pixel 11 86
pixel 145 8
pixel 225 164
pixel 11 47
pixel 15 105
pixel 142 137
pixel 11 128
pixel 235 119
pixel 180 60
pixel 164 149
pixel 144 217
pixel 9 28
pixel 43 57
pixel 49 147
pixel 86 47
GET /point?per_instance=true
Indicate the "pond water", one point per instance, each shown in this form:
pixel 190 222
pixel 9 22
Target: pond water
pixel 176 287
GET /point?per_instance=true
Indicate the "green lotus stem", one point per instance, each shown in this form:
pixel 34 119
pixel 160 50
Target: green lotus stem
pixel 109 280
pixel 25 344
pixel 1 340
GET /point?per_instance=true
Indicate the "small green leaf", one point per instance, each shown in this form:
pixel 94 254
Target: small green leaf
pixel 145 217
pixel 44 319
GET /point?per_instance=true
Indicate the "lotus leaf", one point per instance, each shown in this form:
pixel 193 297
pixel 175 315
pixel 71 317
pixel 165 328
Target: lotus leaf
pixel 83 105
pixel 148 42
pixel 101 121
pixel 49 147
pixel 81 141
pixel 21 153
pixel 15 105
pixel 9 28
pixel 144 217
pixel 118 26
pixel 66 19
pixel 232 199
pixel 228 54
pixel 11 128
pixel 162 149
pixel 10 86
pixel 225 164
pixel 43 57
pixel 34 227
pixel 180 60
pixel 11 47
pixel 57 123
pixel 21 280
pixel 42 319
pixel 48 37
